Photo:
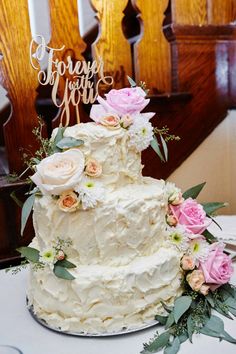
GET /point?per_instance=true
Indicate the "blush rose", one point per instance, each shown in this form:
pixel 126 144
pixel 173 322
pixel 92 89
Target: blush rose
pixel 196 279
pixel 68 202
pixel 125 101
pixel 93 168
pixel 191 215
pixel 110 121
pixel 218 267
pixel 59 172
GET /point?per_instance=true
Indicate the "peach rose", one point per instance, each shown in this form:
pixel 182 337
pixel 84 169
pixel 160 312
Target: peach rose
pixel 204 290
pixel 68 202
pixel 196 279
pixel 60 255
pixel 187 263
pixel 93 168
pixel 171 220
pixel 110 121
pixel 126 120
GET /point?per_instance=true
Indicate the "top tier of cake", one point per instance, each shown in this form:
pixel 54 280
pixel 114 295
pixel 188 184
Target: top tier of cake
pixel 121 164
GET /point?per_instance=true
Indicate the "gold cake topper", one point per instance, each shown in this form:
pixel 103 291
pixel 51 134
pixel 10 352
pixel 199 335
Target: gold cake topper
pixel 79 83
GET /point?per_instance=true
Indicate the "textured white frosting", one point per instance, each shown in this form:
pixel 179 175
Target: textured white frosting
pixel 121 164
pixel 124 266
pixel 129 223
pixel 107 299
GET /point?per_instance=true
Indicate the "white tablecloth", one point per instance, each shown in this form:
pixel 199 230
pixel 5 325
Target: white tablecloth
pixel 19 329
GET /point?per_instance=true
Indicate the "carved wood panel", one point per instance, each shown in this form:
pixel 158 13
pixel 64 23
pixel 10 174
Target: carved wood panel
pixel 111 44
pixel 189 12
pixel 152 57
pixel 18 78
pixel 65 31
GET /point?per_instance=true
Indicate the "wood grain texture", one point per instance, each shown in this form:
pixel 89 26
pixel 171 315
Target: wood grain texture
pixel 221 12
pixel 18 78
pixel 111 44
pixel 152 57
pixel 189 12
pixel 65 31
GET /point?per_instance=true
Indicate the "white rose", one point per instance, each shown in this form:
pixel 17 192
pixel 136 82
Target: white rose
pixel 59 172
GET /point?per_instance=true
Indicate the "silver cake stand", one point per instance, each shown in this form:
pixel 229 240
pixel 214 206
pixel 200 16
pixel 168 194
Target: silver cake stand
pixel 85 334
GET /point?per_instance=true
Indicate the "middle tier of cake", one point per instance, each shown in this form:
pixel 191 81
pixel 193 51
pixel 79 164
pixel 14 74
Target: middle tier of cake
pixel 128 223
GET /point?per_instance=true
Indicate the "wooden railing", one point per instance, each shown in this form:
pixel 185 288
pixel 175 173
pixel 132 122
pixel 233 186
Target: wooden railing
pixel 185 52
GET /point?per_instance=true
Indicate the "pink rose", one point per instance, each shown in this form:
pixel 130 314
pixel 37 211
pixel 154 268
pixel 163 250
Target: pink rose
pixel 196 279
pixel 218 267
pixel 123 101
pixel 191 215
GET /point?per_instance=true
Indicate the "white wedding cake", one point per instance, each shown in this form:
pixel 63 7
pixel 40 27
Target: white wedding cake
pixel 111 221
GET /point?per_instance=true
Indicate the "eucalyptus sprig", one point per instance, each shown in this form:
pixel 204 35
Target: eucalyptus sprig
pixel 192 313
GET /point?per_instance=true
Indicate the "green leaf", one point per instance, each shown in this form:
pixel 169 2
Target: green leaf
pixel 228 338
pixel 16 200
pixel 165 148
pixel 170 321
pixel 232 311
pixel 158 343
pixel 167 308
pixel 69 142
pixel 194 191
pixel 210 208
pixel 58 137
pixel 182 304
pixel 222 311
pixel 215 323
pixel 231 290
pixel 156 147
pixel 161 319
pixel 62 273
pixel 190 328
pixel 131 81
pixel 183 337
pixel 26 210
pixel 65 264
pixel 32 254
pixel 210 238
pixel 209 299
pixel 231 303
pixel 174 347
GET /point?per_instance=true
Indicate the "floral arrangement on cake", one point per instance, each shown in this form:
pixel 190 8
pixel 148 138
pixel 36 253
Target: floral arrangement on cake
pixel 206 268
pixel 61 171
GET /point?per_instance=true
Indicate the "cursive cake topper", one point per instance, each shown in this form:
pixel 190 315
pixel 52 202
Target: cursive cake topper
pixel 78 76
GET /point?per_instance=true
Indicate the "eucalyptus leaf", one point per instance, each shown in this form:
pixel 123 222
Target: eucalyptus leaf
pixel 194 191
pixel 183 337
pixel 210 208
pixel 26 210
pixel 190 328
pixel 65 264
pixel 156 147
pixel 223 311
pixel 158 343
pixel 170 321
pixel 230 289
pixel 62 273
pixel 181 305
pixel 174 347
pixel 209 299
pixel 228 338
pixel 30 253
pixel 232 311
pixel 69 142
pixel 161 319
pixel 167 308
pixel 231 302
pixel 58 137
pixel 165 148
pixel 215 323
pixel 209 332
pixel 131 81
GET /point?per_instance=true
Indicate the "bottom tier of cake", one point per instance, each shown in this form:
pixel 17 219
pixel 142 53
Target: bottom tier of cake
pixel 103 299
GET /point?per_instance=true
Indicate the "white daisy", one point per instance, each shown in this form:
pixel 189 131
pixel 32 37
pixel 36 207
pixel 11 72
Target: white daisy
pixel 140 133
pixel 90 193
pixel 47 256
pixel 199 249
pixel 178 237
